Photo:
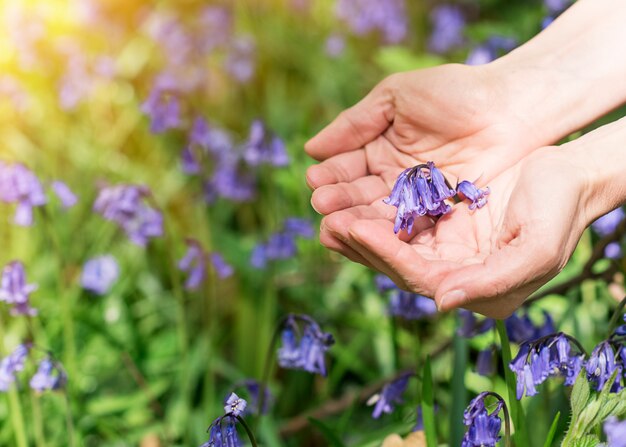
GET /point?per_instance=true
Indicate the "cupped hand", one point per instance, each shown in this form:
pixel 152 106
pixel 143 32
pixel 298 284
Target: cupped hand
pixel 491 259
pixel 462 118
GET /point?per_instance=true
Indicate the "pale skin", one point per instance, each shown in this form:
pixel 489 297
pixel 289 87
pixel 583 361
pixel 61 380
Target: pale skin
pixel 494 124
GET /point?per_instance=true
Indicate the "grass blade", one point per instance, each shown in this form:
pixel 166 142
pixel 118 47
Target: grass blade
pixel 428 407
pixel 552 432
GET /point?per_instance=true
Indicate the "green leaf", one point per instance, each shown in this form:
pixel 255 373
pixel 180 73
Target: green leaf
pixel 394 59
pixel 459 390
pixel 587 441
pixel 552 432
pixel 428 407
pixel 517 412
pixel 580 394
pixel 328 433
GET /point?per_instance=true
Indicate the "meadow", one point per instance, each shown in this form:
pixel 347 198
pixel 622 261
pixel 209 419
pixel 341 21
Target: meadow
pixel 159 250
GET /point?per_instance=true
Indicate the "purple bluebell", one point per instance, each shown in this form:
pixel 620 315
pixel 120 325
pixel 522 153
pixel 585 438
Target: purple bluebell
pixel 100 274
pixel 11 365
pixel 230 183
pixel 410 306
pixel 262 147
pixel 483 427
pixel 222 268
pixel 615 431
pixel 477 196
pixel 448 25
pixel 235 405
pixel 188 161
pixel 390 395
pixel 304 348
pixel 335 45
pixel 163 108
pixel 613 251
pixel 603 361
pixel 15 291
pixel 384 283
pixel 607 224
pixel 223 433
pixel 419 191
pixel 240 59
pixel 520 327
pixel 64 193
pixel 545 357
pixel 557 6
pixel 389 18
pixel 126 205
pixel 485 362
pixel 253 388
pixel 471 326
pixel 297 226
pixel 194 262
pixel 216 27
pixel 20 185
pixel 490 50
pixel 49 376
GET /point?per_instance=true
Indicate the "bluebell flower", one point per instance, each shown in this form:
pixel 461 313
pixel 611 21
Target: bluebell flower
pixel 216 27
pixel 194 263
pixel 490 50
pixel 19 185
pixel 390 395
pixel 64 193
pixel 262 147
pixel 448 25
pixel 384 283
pixel 282 244
pixel 253 389
pixel 163 108
pixel 240 59
pixel 126 206
pixel 603 362
pixel 223 433
pixel 222 268
pixel 230 183
pixel 49 376
pixel 545 357
pixel 520 327
pixel 235 405
pixel 410 306
pixel 615 432
pixel 557 6
pixel 304 348
pixel 471 326
pixel 419 191
pixel 99 274
pixel 607 224
pixel 297 226
pixel 389 18
pixel 613 250
pixel 483 426
pixel 485 362
pixel 15 291
pixel 335 45
pixel 477 196
pixel 11 365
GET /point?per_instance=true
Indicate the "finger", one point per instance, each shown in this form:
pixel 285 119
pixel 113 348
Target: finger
pixel 344 167
pixel 379 241
pixel 356 126
pixel 512 272
pixel 330 241
pixel 363 191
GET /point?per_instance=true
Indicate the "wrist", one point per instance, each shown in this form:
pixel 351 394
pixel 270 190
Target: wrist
pixel 601 159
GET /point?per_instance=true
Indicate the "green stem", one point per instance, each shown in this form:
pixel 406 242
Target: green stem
pixel 248 431
pixel 40 435
pixel 69 422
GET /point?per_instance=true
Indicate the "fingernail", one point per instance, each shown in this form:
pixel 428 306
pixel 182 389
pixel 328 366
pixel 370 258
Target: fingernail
pixel 453 296
pixel 313 206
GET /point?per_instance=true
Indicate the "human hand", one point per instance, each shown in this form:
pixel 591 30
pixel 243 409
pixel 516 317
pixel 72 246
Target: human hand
pixel 460 117
pixel 489 260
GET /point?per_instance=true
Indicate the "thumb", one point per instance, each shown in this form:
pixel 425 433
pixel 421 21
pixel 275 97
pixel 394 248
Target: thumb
pixel 512 272
pixel 358 125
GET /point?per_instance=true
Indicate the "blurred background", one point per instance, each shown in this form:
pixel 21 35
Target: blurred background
pixel 193 115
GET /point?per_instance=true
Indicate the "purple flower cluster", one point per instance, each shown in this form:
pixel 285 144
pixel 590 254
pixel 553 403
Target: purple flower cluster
pixel 223 430
pixel 195 264
pixel 520 328
pixel 19 185
pixel 548 356
pixel 99 274
pixel 490 50
pixel 403 304
pixel 64 193
pixel 15 291
pixel 304 348
pixel 448 24
pixel 605 226
pixel 483 426
pixel 615 432
pixel 233 168
pixel 485 361
pixel 390 395
pixel 11 365
pixel 163 108
pixel 365 16
pixel 607 358
pixel 282 245
pixel 470 325
pixel 49 376
pixel 126 206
